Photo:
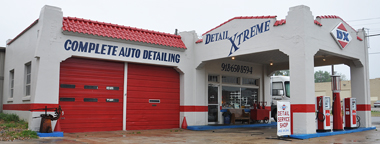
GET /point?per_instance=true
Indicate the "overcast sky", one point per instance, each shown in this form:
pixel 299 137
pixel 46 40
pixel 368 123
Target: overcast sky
pixel 198 15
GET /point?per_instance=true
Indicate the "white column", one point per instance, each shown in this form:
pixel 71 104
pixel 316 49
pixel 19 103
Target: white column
pixel 302 93
pixel 265 88
pixel 125 96
pixel 360 91
pixel 300 48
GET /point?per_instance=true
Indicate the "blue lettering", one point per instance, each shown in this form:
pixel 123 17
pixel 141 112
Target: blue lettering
pixel 239 36
pixel 220 36
pixel 158 56
pixel 267 25
pixel 212 38
pixel 97 48
pixel 233 46
pixel 67 42
pixel 253 31
pixel 127 53
pixel 339 34
pixel 172 58
pixel 259 29
pixel 109 49
pixel 345 36
pixel 246 33
pixel 133 52
pixel 83 48
pixel 121 51
pixel 177 58
pixel 92 47
pixel 154 55
pixel 145 54
pixel 164 56
pixel 114 50
pixel 102 51
pixel 207 39
pixel 74 46
pixel 150 55
pixel 137 55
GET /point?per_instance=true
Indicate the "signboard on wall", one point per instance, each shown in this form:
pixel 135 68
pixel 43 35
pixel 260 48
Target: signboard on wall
pixel 238 37
pixel 341 35
pixel 120 51
pixel 283 118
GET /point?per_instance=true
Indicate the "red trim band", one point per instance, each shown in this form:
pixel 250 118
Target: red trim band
pixel 300 108
pixel 194 109
pixel 268 107
pixel 363 107
pixel 27 107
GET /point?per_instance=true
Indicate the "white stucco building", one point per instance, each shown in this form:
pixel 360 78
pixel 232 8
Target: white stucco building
pixel 112 77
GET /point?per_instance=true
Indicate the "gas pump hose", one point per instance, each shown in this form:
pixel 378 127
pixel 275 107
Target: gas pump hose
pixel 323 116
pixel 319 107
pixel 358 121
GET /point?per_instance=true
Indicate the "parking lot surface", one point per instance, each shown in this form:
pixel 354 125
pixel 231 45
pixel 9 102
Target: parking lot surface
pixel 230 136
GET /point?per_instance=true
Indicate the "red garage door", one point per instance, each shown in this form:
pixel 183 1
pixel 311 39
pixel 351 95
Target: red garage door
pixel 91 95
pixel 152 97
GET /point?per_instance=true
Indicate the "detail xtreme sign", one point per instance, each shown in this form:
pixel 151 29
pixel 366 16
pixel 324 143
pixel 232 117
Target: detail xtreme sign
pixel 113 50
pixel 341 35
pixel 239 37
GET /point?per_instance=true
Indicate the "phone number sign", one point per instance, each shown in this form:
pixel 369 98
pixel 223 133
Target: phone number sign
pixel 236 68
pixel 283 118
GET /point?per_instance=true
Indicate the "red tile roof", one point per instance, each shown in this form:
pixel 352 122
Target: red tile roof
pixel 79 25
pixel 241 17
pixel 30 26
pixel 199 41
pixel 317 23
pixel 283 21
pixel 359 38
pixel 280 22
pixel 334 17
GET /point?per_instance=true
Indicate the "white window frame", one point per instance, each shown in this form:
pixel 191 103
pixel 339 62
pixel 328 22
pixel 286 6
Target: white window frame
pixel 11 83
pixel 28 74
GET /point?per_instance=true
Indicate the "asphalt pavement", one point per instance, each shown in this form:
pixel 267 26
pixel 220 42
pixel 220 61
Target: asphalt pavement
pixel 236 135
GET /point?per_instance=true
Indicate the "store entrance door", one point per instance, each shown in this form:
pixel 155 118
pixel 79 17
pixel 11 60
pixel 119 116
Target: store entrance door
pixel 213 107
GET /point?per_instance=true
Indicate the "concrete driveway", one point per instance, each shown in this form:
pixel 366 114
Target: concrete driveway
pixel 238 135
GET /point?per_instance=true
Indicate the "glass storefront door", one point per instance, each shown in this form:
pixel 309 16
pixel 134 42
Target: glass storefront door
pixel 213 103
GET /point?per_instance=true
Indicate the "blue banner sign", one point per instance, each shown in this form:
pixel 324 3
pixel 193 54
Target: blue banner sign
pixel 112 50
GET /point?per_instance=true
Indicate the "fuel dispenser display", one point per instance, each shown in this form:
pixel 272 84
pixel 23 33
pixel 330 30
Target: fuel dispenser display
pixel 323 108
pixel 349 106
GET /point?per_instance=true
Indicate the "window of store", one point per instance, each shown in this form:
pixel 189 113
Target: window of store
pixel 230 80
pixel 238 97
pixel 213 78
pixel 28 70
pixel 249 81
pixel 11 82
pixel 237 92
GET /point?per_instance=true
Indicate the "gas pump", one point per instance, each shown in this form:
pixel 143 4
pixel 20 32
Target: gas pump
pixel 336 109
pixel 323 108
pixel 349 107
